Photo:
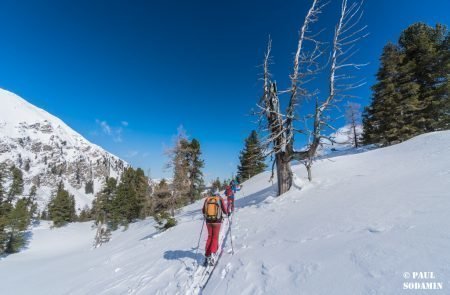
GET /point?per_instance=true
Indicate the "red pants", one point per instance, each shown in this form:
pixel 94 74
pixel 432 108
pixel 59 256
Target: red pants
pixel 230 204
pixel 212 244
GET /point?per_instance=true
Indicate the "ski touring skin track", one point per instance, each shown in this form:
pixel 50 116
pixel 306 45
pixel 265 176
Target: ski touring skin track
pixel 203 274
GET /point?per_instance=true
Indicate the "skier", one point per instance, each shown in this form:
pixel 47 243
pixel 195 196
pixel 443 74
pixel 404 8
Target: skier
pixel 235 185
pixel 212 211
pixel 229 192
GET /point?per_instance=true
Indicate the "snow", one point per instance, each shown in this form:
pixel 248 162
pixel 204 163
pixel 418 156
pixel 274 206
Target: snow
pixel 16 110
pixel 364 220
pixel 33 134
pixel 343 141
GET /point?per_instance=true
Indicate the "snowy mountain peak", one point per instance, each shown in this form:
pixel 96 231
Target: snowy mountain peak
pixel 48 151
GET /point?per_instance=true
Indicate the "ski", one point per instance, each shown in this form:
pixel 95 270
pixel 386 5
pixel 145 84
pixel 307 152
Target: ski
pixel 210 269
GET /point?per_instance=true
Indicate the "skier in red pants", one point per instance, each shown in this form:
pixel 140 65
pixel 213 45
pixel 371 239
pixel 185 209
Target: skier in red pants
pixel 230 198
pixel 212 211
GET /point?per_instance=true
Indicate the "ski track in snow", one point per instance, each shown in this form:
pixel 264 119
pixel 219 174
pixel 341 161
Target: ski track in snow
pixel 363 221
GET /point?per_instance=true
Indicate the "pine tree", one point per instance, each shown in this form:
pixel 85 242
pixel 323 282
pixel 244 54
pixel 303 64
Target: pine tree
pixel 195 173
pixel 2 182
pixel 4 209
pixel 164 220
pixel 379 121
pixel 17 183
pixel 162 196
pixel 224 184
pixel 102 209
pixel 142 193
pixel 61 208
pixel 426 53
pixel 102 206
pixel 131 198
pixel 216 185
pixel 411 95
pixel 85 215
pixel 18 221
pixel 251 158
pixel 31 202
pixel 19 216
pixel 180 184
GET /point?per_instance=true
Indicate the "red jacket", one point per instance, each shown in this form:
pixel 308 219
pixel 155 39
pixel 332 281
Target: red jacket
pixel 222 205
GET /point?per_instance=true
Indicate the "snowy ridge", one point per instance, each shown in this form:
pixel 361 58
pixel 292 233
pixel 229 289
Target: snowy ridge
pixel 53 150
pixel 363 221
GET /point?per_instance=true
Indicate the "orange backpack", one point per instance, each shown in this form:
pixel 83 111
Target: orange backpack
pixel 213 211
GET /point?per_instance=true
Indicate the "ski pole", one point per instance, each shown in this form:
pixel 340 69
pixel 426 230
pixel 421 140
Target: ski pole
pixel 231 236
pixel 200 237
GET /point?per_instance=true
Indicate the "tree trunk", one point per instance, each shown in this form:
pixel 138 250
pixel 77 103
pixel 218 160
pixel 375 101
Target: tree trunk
pixel 284 174
pixel 308 169
pixel 172 205
pixel 355 136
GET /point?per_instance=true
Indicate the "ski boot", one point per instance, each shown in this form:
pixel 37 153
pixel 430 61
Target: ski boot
pixel 206 262
pixel 212 259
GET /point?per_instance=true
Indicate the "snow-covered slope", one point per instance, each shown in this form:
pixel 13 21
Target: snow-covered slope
pixel 47 151
pixel 364 221
pixel 344 142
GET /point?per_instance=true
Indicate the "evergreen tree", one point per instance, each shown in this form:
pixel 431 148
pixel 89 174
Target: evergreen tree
pixel 379 121
pixel 162 201
pixel 162 196
pixel 181 183
pixel 20 216
pixel 411 95
pixel 17 183
pixel 85 215
pixel 129 203
pixel 251 158
pixel 216 185
pixel 17 221
pixel 2 183
pixel 31 203
pixel 102 207
pixel 164 220
pixel 224 184
pixel 179 161
pixel 195 172
pixel 61 208
pixel 5 208
pixel 427 57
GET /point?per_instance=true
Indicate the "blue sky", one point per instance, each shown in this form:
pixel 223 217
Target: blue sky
pixel 126 74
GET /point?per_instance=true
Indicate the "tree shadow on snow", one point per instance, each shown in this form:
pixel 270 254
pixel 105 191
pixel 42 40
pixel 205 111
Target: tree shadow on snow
pixel 254 199
pixel 192 213
pixel 27 236
pixel 151 236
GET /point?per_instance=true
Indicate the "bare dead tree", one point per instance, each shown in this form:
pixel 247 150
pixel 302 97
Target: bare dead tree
pixel 280 126
pixel 346 34
pixel 180 169
pixel 353 117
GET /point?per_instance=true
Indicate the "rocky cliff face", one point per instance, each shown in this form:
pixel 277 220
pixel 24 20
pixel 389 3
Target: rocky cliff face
pixel 48 151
